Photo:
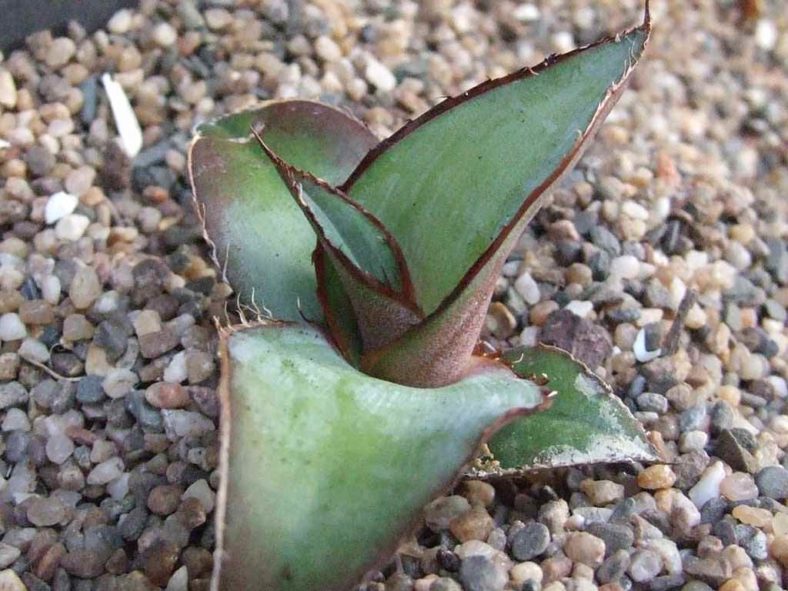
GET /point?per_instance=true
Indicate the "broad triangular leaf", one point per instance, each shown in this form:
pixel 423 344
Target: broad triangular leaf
pixel 318 486
pixel 453 183
pixel 261 240
pixel 585 424
pixel 457 186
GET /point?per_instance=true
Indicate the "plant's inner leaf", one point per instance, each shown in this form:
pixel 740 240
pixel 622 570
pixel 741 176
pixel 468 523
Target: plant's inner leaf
pixel 586 423
pixel 457 186
pixel 325 468
pixel 367 260
pixel 338 309
pixel 262 243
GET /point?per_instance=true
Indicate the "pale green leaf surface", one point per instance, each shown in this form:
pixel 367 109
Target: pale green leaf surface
pixel 585 424
pixel 328 467
pixel 450 182
pixel 261 240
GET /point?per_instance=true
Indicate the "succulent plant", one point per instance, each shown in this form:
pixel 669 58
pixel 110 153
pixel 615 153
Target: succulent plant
pixel 360 393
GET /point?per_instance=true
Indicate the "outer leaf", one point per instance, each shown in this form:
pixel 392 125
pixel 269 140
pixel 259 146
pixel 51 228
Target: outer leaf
pixel 261 240
pixel 586 423
pixel 314 454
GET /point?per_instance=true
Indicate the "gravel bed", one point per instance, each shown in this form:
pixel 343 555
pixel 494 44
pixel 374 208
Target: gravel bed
pixel 665 250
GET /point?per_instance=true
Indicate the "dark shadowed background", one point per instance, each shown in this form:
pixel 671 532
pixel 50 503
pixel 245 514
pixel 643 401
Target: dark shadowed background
pixel 22 17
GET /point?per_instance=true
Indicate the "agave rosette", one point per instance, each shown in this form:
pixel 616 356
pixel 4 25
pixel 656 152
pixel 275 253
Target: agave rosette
pixel 360 396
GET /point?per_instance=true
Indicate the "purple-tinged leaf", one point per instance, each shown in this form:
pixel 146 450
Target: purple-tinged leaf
pixel 261 241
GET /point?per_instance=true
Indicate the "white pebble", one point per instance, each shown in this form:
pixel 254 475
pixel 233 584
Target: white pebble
pixel 105 472
pixel 34 350
pixel 176 371
pixel 165 34
pixel 185 423
pixel 780 386
pixel 379 75
pixel 708 487
pixel 580 308
pixel 71 227
pixel 639 348
pixel 668 551
pixel 50 289
pixel 179 581
pixel 626 267
pixel 527 13
pixel 563 41
pixel 693 441
pixel 527 288
pixel 59 448
pixel 327 49
pixel 530 336
pixel 125 120
pixel 59 205
pixel 634 210
pixel 120 22
pixel 119 382
pixel 8 94
pixel 766 34
pixel 15 420
pixel 203 493
pixel 11 327
pixel 119 488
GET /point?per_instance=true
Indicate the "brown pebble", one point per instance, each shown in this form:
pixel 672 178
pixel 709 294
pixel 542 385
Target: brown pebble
pixel 164 499
pixel 475 524
pixel 47 564
pixel 585 548
pixel 656 477
pixel 738 486
pixel 779 550
pixel 753 516
pixel 479 493
pixel 166 395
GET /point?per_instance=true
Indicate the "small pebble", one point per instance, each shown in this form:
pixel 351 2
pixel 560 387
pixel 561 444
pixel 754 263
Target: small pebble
pixel 738 487
pixel 656 477
pixel 59 206
pixel 585 548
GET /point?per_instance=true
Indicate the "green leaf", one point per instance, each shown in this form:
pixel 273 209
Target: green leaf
pixel 367 260
pixel 261 240
pixel 324 469
pixel 452 185
pixel 585 424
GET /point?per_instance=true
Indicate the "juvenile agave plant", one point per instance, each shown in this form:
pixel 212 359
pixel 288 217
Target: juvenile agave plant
pixel 360 394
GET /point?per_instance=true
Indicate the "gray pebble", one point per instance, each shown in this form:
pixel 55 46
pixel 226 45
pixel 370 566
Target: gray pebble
pixel 12 394
pixel 616 536
pixel 90 390
pixel 605 239
pixel 772 482
pixel 530 541
pixel 481 573
pixel 651 401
